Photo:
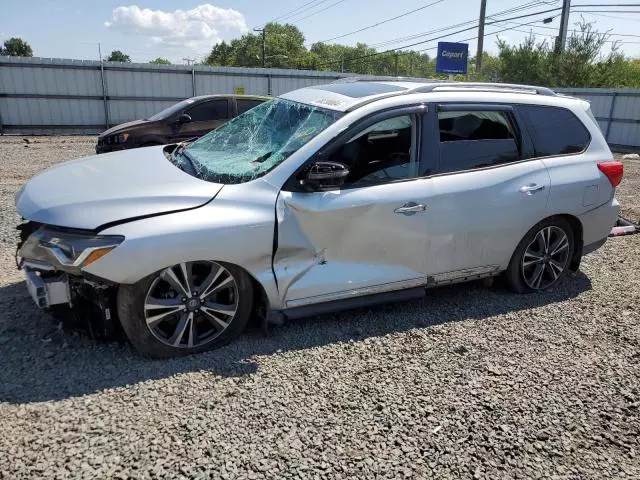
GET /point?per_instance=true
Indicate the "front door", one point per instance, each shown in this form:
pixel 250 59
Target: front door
pixel 205 116
pixel 369 235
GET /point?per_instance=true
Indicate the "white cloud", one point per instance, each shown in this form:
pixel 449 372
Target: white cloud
pixel 197 29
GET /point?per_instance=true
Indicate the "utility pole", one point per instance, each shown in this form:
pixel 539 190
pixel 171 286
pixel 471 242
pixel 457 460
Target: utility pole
pixel 99 52
pixel 564 23
pixel 189 60
pixel 264 44
pixel 264 47
pixel 396 67
pixel 483 10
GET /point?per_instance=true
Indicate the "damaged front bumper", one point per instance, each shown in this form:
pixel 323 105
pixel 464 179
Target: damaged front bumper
pixel 55 281
pixel 47 291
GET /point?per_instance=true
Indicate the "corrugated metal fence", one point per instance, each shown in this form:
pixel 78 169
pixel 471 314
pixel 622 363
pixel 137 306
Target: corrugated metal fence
pixel 617 111
pixel 57 96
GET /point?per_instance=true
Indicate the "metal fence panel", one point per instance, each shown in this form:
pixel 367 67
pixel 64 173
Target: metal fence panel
pixel 617 111
pixel 39 95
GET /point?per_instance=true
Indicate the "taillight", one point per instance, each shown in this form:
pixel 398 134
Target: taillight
pixel 613 170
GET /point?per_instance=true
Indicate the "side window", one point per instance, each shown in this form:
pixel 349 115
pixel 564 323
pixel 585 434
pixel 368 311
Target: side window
pixel 554 130
pixel 475 139
pixel 380 153
pixel 207 111
pixel 244 105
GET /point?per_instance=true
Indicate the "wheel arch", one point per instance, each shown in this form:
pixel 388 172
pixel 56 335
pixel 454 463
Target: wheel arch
pixel 578 239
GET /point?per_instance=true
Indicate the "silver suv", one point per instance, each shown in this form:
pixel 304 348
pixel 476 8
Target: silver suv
pixel 328 197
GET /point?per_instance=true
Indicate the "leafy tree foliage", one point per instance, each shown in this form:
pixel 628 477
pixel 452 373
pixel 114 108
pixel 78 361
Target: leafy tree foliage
pixel 160 61
pixel 118 56
pixel 16 47
pixel 581 64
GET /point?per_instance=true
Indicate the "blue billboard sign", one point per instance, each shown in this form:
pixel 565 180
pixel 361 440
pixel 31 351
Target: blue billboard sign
pixel 452 57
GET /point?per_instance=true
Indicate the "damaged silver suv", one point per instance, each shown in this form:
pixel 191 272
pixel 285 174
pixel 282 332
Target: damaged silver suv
pixel 328 197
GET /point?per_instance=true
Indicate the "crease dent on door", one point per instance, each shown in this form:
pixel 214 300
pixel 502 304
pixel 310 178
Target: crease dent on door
pixel 296 254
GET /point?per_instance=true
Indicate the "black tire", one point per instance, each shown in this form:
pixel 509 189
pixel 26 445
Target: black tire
pixel 131 312
pixel 515 273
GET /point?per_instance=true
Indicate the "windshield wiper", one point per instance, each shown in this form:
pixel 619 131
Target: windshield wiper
pixel 180 150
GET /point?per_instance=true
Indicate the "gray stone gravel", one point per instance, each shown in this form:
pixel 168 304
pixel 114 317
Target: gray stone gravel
pixel 469 382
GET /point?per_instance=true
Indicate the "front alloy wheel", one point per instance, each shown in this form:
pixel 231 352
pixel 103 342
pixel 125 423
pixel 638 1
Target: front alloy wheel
pixel 190 304
pixel 186 308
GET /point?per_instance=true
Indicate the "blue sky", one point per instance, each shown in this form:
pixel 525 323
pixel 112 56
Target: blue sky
pixel 179 29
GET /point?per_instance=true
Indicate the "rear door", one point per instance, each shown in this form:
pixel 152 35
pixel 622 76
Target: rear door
pixel 487 190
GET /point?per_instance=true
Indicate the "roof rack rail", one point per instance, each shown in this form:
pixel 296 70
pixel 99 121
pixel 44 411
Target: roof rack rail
pixel 384 78
pixel 485 86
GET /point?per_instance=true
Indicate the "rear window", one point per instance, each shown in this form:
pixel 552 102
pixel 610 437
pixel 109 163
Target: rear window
pixel 554 130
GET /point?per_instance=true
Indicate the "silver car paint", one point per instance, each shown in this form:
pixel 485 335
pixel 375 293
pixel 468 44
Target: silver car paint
pixel 320 234
pixel 100 189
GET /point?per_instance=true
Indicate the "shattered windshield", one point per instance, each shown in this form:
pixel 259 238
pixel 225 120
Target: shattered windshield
pixel 255 142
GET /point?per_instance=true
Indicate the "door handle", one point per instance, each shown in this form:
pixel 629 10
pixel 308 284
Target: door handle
pixel 410 208
pixel 531 188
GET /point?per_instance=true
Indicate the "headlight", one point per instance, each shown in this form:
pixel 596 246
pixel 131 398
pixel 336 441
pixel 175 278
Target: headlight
pixel 68 251
pixel 119 138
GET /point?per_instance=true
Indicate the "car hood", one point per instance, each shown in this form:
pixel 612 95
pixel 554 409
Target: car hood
pixel 123 127
pixel 102 189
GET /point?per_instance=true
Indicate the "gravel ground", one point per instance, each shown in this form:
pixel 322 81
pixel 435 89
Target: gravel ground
pixel 469 382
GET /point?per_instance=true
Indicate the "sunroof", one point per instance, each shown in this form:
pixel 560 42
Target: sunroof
pixel 360 89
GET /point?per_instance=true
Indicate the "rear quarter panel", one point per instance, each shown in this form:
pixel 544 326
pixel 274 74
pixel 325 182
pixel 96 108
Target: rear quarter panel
pixel 578 187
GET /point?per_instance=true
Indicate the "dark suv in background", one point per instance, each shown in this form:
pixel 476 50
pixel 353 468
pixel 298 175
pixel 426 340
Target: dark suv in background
pixel 189 118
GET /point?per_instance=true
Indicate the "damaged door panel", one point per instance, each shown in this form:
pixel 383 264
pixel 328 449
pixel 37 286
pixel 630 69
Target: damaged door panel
pixel 351 242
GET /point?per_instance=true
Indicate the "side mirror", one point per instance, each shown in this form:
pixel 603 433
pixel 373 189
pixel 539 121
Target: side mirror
pixel 325 174
pixel 184 118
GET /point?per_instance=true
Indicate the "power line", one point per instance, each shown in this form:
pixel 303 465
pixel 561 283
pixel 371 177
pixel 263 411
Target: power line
pixel 575 31
pixel 448 35
pixel 551 36
pixel 607 11
pixel 298 10
pixel 611 16
pixel 318 11
pixel 383 21
pixel 515 9
pixel 473 38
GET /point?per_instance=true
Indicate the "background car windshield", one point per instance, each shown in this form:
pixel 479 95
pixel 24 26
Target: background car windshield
pixel 257 141
pixel 173 109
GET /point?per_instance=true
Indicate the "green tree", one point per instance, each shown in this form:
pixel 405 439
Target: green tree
pixel 581 64
pixel 160 61
pixel 118 56
pixel 524 63
pixel 16 47
pixel 284 48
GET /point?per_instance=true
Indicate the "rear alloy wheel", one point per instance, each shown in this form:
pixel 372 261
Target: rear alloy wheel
pixel 545 258
pixel 542 258
pixel 187 308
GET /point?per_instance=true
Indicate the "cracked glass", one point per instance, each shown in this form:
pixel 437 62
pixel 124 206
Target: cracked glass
pixel 255 142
